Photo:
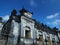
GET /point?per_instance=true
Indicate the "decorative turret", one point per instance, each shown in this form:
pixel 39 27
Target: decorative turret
pixel 13 14
pixel 23 11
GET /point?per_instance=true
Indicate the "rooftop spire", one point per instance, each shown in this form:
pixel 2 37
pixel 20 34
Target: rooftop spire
pixel 14 12
pixel 23 10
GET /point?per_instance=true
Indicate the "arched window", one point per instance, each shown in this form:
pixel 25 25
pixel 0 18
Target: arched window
pixel 27 32
pixel 41 39
pixel 49 43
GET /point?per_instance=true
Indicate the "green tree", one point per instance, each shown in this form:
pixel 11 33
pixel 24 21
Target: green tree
pixel 1 19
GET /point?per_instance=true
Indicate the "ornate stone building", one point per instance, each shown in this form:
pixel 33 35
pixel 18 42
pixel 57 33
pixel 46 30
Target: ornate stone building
pixel 23 30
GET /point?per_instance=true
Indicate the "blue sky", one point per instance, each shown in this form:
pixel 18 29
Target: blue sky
pixel 45 11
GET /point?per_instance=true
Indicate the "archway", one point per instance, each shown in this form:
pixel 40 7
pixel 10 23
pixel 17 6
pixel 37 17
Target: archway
pixel 27 32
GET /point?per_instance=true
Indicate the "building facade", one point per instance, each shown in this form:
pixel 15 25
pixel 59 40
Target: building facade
pixel 23 30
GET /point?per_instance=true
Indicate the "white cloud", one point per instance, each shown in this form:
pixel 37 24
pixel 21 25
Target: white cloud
pixel 52 16
pixel 5 18
pixel 54 23
pixel 33 3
